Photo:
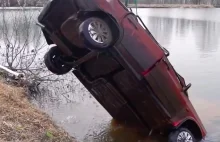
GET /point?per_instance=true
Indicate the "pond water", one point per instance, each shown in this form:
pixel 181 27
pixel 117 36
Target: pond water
pixel 191 35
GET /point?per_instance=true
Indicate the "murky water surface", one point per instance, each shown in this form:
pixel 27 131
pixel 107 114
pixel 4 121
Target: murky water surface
pixel 191 35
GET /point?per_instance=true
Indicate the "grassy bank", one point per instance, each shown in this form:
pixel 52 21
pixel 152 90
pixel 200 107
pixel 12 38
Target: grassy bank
pixel 170 6
pixel 21 121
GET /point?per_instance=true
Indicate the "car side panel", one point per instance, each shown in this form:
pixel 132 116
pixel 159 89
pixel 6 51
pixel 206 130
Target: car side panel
pixel 164 88
pixel 142 99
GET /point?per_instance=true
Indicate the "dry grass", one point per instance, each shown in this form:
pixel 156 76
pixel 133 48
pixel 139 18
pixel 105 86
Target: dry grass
pixel 20 121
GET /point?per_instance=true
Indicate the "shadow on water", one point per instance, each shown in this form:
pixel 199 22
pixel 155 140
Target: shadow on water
pixel 115 132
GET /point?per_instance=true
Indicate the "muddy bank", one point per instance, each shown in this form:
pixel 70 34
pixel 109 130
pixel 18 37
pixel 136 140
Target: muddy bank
pixel 21 121
pixel 169 6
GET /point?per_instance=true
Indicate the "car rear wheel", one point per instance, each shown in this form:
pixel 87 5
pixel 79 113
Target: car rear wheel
pixel 54 61
pixel 96 33
pixel 181 135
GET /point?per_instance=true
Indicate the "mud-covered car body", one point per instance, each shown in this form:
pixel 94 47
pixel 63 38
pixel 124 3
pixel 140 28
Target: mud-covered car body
pixel 133 78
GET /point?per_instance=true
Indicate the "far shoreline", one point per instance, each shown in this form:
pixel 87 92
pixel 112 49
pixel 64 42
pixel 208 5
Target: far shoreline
pixel 133 6
pixel 170 6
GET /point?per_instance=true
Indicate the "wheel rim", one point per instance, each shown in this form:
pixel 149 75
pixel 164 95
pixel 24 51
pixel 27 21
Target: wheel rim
pixel 99 31
pixel 184 137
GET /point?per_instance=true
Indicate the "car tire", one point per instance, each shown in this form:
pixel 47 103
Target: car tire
pixel 54 63
pixel 180 135
pixel 96 33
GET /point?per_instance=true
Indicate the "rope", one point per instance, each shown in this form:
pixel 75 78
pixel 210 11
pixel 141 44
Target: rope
pixel 126 3
pixel 135 2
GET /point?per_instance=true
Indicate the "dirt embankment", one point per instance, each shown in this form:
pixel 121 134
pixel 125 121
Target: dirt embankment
pixel 170 6
pixel 21 121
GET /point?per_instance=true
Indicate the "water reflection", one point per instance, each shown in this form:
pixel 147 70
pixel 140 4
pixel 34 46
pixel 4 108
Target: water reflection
pixel 205 33
pixel 194 51
pixel 161 29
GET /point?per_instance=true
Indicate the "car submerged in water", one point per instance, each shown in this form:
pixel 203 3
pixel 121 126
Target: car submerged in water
pixel 113 54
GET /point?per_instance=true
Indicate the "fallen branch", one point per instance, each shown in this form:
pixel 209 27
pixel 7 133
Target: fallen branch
pixel 16 74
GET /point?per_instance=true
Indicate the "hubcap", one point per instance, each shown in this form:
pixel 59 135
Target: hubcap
pixel 99 31
pixel 184 137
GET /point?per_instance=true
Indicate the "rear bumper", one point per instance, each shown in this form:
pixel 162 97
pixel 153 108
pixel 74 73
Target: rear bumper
pixel 44 11
pixel 52 18
pixel 56 12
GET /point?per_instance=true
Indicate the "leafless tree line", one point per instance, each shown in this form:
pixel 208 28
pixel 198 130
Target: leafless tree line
pixel 9 3
pixel 23 46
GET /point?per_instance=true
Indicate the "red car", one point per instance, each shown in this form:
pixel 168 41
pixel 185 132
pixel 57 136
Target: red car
pixel 117 59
